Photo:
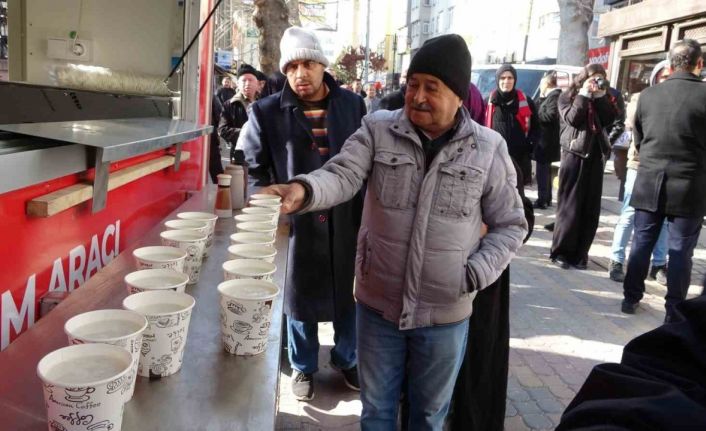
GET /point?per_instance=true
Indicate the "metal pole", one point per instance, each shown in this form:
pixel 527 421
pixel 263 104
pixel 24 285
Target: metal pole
pixel 529 23
pixel 367 45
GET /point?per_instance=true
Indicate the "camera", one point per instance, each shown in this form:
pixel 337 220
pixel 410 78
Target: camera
pixel 602 83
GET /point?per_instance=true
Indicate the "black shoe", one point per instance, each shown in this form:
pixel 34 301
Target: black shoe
pixel 350 376
pixel 659 274
pixel 540 205
pixel 549 227
pixel 303 386
pixel 561 262
pixel 628 307
pixel 581 265
pixel 616 271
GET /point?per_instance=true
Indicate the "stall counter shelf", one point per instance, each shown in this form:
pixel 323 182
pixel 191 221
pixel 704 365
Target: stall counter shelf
pixel 213 390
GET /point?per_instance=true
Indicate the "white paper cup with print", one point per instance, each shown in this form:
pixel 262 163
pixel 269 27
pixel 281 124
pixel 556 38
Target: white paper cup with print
pixel 265 203
pixel 265 197
pixel 248 268
pixel 260 218
pixel 257 227
pixel 122 328
pixel 246 314
pixel 252 251
pixel 273 213
pixel 202 227
pixel 193 244
pixel 168 314
pixel 156 279
pixel 83 387
pixel 252 238
pixel 210 218
pixel 155 257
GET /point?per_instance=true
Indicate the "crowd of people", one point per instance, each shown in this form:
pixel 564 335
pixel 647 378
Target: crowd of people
pixel 418 199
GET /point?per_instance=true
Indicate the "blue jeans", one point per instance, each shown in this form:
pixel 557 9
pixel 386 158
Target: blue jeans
pixel 683 236
pixel 624 228
pixel 303 344
pixel 430 357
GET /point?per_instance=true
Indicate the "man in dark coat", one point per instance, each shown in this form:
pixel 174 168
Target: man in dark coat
pixel 670 134
pixel 547 149
pixel 226 92
pixel 294 132
pixel 235 110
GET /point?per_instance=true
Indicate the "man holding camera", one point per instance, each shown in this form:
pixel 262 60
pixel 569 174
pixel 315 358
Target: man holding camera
pixel 670 134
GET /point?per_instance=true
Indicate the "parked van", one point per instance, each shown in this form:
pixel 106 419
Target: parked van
pixel 528 77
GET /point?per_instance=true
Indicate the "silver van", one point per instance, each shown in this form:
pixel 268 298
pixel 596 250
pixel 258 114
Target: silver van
pixel 528 77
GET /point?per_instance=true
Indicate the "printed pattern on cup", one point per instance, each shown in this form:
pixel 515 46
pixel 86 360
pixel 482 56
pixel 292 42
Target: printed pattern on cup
pixel 245 326
pixel 162 349
pixel 177 265
pixel 194 257
pixel 78 407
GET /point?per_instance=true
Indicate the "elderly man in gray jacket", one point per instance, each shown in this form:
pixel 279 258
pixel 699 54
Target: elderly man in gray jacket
pixel 434 178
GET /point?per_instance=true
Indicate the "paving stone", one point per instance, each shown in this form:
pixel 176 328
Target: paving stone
pixel 540 393
pixel 510 410
pixel 550 405
pixel 518 395
pixel 526 407
pixel 537 421
pixel 526 377
pixel 516 423
pixel 555 418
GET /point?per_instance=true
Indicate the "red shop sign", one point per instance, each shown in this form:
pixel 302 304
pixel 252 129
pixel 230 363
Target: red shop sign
pixel 599 56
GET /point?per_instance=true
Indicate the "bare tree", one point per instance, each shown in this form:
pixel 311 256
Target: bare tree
pixel 272 19
pixel 576 17
pixel 293 6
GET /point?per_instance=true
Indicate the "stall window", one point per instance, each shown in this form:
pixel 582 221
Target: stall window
pixel 635 72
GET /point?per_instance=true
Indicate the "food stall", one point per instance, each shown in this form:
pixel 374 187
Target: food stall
pixel 99 145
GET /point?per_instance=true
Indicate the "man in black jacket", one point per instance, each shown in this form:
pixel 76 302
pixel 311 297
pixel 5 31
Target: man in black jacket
pixel 235 110
pixel 670 134
pixel 547 149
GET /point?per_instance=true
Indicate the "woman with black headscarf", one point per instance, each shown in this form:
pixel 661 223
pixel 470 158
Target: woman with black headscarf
pixel 512 114
pixel 584 110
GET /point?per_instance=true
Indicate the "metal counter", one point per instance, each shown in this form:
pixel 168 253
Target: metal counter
pixel 213 391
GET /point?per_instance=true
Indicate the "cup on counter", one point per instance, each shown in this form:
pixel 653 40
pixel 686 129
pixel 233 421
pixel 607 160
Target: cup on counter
pixel 266 203
pixel 210 218
pixel 257 227
pixel 191 242
pixel 117 327
pixel 251 238
pixel 155 257
pixel 246 314
pixel 252 251
pixel 273 213
pixel 83 386
pixel 156 279
pixel 265 197
pixel 260 218
pixel 168 314
pixel 248 268
pixel 198 226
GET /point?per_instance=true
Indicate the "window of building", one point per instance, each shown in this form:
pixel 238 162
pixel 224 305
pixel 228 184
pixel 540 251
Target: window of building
pixel 426 2
pixel 425 27
pixel 415 29
pixel 449 18
pixel 415 4
pixel 438 22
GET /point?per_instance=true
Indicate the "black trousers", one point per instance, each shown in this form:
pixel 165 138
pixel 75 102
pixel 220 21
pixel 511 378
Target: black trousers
pixel 215 166
pixel 544 182
pixel 579 206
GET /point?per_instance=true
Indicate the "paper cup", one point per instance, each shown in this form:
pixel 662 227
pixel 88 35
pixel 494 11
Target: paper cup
pixel 159 257
pixel 252 251
pixel 210 218
pixel 260 218
pixel 257 227
pixel 246 313
pixel 266 203
pixel 156 279
pixel 251 238
pixel 83 387
pixel 193 244
pixel 198 226
pixel 265 197
pixel 248 268
pixel 117 327
pixel 271 212
pixel 168 314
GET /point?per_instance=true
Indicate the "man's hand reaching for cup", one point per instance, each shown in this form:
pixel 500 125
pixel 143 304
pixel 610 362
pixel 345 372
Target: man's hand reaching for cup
pixel 293 195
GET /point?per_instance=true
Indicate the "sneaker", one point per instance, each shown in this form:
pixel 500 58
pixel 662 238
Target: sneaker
pixel 616 271
pixel 540 205
pixel 350 376
pixel 581 265
pixel 659 274
pixel 628 307
pixel 561 262
pixel 303 386
pixel 549 227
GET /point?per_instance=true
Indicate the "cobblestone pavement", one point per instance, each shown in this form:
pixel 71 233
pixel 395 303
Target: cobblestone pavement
pixel 563 322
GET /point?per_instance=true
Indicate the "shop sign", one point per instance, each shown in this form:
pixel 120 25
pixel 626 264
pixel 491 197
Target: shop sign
pixel 599 56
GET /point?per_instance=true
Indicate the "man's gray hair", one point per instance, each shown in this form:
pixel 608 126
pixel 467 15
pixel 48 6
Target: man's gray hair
pixel 685 55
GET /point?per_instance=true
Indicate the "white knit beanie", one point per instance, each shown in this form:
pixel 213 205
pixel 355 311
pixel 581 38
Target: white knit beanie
pixel 300 44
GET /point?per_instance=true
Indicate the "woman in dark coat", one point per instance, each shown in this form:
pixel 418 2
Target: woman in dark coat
pixel 547 149
pixel 584 109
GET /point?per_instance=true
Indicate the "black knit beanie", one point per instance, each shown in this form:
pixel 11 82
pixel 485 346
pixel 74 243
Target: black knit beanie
pixel 246 68
pixel 502 69
pixel 447 58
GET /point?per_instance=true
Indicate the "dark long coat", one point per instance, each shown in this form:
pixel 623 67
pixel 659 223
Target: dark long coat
pixel 547 149
pixel 670 134
pixel 278 146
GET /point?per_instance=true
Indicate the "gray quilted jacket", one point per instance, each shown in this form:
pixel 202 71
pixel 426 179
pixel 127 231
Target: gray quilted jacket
pixel 420 258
